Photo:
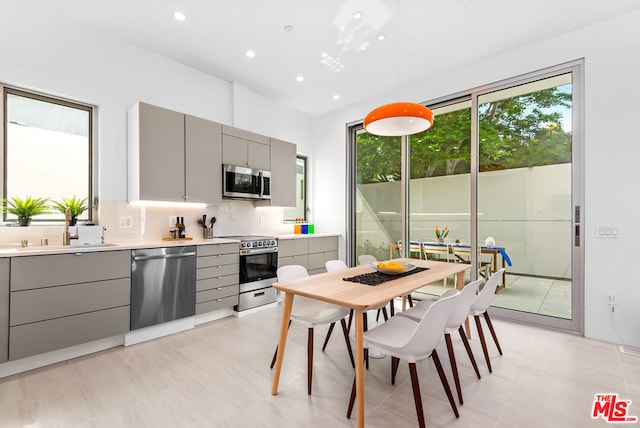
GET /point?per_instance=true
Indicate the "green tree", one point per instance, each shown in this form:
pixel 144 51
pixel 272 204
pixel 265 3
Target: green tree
pixel 517 132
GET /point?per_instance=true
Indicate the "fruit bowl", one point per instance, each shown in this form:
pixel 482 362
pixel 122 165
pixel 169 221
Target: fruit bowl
pixel 392 268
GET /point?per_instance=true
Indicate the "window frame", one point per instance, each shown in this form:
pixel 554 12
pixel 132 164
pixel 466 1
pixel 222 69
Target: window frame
pixel 6 89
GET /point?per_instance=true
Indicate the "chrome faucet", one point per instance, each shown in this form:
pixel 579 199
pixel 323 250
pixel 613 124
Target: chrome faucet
pixel 66 237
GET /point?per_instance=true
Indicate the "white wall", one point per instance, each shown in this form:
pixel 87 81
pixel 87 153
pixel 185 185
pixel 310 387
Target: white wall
pixel 53 57
pixel 612 147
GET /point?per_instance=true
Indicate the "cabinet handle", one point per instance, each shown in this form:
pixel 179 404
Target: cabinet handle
pixel 218 277
pixel 218 300
pixel 78 254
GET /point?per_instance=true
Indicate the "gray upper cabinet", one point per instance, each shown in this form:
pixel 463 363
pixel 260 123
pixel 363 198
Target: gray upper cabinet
pixel 244 148
pixel 203 148
pixel 4 309
pixel 172 156
pixel 283 173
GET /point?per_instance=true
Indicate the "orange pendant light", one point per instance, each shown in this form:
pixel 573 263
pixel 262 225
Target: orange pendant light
pixel 395 119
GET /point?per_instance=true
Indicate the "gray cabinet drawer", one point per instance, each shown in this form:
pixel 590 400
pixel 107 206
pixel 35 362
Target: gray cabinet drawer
pixel 323 244
pixel 36 338
pixel 300 259
pixel 217 293
pixel 4 309
pixel 213 305
pixel 317 260
pixel 49 270
pixel 54 302
pixel 292 247
pixel 217 282
pixel 217 260
pixel 217 271
pixel 214 249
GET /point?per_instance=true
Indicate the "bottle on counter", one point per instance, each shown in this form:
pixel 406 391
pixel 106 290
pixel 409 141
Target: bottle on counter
pixel 182 228
pixel 178 227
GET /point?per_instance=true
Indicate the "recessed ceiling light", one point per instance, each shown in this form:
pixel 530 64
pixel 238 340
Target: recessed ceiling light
pixel 358 15
pixel 381 37
pixel 251 53
pixel 179 16
pixel 336 96
pixel 288 28
pixel 299 78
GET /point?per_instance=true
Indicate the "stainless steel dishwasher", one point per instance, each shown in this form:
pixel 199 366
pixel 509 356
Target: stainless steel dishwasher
pixel 163 285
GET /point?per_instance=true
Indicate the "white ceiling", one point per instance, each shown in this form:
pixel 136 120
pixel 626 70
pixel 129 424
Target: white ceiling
pixel 433 36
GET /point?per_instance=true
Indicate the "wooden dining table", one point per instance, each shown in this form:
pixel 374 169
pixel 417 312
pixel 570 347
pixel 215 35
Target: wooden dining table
pixel 331 287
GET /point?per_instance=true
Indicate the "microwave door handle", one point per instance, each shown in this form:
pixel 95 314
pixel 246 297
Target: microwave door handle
pixel 261 179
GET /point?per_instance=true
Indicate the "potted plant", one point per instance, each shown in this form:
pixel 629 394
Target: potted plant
pixel 26 208
pixel 75 205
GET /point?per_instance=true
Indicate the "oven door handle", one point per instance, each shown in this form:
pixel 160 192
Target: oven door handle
pixel 258 251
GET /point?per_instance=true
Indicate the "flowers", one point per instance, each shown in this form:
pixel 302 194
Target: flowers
pixel 442 233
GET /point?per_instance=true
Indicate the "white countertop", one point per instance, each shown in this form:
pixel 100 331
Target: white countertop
pixel 32 250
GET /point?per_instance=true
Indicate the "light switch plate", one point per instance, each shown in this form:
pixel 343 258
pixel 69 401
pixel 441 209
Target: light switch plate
pixel 611 231
pixel 126 222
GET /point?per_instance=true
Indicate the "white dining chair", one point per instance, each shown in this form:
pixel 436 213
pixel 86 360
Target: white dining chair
pixel 456 319
pixel 312 313
pixel 405 339
pixel 439 252
pixel 480 307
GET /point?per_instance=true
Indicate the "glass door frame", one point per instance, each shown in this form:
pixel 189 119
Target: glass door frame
pixel 576 68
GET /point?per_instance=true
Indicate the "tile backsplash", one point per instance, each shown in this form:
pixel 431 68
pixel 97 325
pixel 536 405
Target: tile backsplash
pixel 152 222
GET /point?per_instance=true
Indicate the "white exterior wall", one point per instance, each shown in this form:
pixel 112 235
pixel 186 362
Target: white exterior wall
pixel 526 210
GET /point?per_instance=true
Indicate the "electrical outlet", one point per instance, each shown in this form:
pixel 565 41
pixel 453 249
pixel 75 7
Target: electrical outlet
pixel 611 298
pixel 126 222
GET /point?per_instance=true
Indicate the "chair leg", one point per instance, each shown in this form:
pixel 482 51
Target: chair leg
pixel 350 320
pixel 365 327
pixel 392 308
pixel 410 300
pixel 463 336
pixel 352 398
pixel 385 315
pixel 309 359
pixel 343 323
pixel 416 394
pixel 493 332
pixel 326 339
pixel 445 383
pixel 378 315
pixel 483 342
pixel 454 366
pixel 395 362
pixel 275 354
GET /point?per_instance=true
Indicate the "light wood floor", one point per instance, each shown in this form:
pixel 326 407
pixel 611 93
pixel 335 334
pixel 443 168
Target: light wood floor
pixel 217 375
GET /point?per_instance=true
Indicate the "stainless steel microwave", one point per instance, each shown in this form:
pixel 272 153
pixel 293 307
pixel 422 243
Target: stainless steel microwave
pixel 245 183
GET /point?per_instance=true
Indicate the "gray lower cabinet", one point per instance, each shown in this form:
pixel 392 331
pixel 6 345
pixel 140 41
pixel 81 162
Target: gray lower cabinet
pixel 217 269
pixel 61 300
pixel 310 252
pixel 4 309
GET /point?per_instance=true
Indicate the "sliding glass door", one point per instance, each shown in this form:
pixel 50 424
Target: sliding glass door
pixel 500 170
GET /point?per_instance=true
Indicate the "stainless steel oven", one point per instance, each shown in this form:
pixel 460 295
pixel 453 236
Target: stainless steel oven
pixel 258 271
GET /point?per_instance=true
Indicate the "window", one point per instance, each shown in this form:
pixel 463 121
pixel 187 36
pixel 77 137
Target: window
pixel 300 211
pixel 47 150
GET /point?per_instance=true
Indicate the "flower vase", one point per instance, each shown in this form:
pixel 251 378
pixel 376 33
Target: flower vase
pixel 441 240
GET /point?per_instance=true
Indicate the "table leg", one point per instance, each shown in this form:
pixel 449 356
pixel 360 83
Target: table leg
pixel 284 328
pixel 460 281
pixel 358 313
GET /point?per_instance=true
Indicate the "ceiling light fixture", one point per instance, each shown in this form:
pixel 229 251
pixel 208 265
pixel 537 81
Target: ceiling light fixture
pixel 336 97
pixel 251 53
pixel 381 37
pixel 401 118
pixel 299 78
pixel 179 16
pixel 357 15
